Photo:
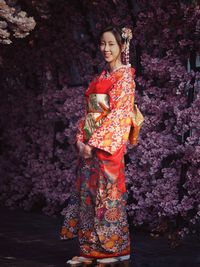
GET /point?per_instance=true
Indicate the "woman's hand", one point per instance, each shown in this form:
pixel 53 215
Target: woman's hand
pixel 84 150
pixel 80 146
pixel 87 152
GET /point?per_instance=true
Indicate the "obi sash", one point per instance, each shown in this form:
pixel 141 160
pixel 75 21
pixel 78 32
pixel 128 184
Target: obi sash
pixel 97 109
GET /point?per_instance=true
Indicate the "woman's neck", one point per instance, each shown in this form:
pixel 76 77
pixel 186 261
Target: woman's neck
pixel 113 65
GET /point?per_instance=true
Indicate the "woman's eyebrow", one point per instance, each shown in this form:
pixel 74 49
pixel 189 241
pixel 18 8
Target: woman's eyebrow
pixel 108 41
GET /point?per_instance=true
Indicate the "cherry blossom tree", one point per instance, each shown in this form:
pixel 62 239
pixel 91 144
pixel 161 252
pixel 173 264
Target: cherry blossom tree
pixel 14 22
pixel 42 98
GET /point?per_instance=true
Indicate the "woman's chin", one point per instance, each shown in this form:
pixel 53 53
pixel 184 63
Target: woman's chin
pixel 108 60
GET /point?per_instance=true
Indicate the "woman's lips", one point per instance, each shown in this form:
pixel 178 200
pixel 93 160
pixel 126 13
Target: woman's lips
pixel 107 55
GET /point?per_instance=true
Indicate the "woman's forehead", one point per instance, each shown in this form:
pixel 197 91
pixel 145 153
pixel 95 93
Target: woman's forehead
pixel 108 36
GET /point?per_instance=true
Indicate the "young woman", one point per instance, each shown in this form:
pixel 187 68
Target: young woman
pixel 97 208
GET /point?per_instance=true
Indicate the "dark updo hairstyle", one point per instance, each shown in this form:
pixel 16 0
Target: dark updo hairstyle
pixel 116 31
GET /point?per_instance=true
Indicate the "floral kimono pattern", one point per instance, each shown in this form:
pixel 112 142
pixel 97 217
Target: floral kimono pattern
pixel 97 208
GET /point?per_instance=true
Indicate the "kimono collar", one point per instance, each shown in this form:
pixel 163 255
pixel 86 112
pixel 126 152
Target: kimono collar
pixel 104 82
pixel 121 68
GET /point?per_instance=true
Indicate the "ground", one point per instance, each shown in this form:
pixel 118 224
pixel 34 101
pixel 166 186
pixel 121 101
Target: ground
pixel 30 239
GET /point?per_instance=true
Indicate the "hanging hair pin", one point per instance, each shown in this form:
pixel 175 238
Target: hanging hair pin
pixel 127 36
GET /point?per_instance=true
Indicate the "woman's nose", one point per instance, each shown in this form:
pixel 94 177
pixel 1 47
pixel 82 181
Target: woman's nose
pixel 106 48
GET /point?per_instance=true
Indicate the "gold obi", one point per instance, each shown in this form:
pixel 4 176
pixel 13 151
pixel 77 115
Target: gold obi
pixel 97 109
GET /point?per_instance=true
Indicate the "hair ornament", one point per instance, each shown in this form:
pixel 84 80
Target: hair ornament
pixel 127 36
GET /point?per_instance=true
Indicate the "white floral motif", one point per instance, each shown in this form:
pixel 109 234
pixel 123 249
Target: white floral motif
pixel 127 33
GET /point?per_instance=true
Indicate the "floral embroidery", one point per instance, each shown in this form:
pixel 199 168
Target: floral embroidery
pixel 112 215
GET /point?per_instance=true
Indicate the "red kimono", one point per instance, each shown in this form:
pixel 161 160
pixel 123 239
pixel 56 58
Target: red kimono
pixel 97 209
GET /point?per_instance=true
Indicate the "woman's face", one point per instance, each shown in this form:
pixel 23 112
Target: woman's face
pixel 109 47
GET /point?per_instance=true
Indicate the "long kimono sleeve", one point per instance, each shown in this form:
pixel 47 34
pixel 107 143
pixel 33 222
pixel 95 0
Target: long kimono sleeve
pixel 115 128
